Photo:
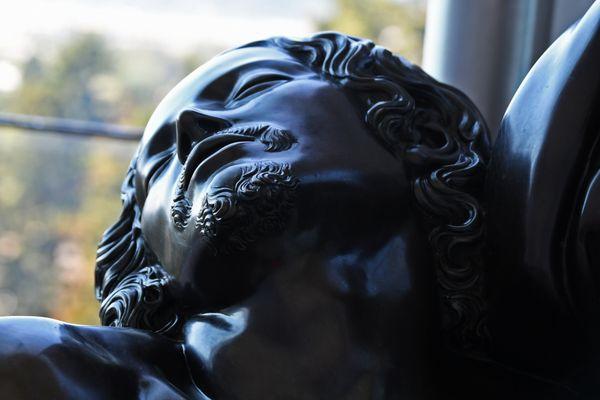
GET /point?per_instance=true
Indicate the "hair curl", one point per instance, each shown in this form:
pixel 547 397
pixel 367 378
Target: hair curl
pixel 443 141
pixel 133 289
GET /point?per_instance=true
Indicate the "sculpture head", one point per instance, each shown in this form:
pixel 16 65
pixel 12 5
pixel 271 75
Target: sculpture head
pixel 325 167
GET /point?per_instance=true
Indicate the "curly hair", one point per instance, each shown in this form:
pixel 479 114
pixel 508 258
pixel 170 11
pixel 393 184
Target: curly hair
pixel 443 141
pixel 133 289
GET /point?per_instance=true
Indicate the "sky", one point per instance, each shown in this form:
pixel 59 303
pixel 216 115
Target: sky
pixel 175 26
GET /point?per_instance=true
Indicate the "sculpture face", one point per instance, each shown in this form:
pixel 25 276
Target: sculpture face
pixel 247 157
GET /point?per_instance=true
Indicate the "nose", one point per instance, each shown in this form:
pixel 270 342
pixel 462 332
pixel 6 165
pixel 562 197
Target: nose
pixel 194 125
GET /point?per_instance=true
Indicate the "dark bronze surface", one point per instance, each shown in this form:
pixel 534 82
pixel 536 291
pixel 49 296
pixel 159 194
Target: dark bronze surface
pixel 543 217
pixel 319 219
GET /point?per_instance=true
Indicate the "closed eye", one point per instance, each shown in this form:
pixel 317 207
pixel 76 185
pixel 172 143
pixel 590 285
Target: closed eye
pixel 258 85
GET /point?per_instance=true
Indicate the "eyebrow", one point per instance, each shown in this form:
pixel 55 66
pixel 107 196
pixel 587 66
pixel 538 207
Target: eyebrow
pixel 259 78
pixel 223 88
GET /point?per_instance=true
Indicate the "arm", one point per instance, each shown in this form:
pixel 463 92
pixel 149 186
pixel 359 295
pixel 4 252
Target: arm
pixel 44 358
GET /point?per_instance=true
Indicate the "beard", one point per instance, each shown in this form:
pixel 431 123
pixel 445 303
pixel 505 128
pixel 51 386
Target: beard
pixel 136 291
pixel 257 203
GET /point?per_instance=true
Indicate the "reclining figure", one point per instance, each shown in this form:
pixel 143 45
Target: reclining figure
pixel 319 219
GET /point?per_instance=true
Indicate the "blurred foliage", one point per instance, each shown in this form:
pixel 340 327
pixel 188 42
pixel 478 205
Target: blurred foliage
pixel 398 26
pixel 65 87
pixel 58 194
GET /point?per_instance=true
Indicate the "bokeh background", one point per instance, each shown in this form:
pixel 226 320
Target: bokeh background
pixel 112 61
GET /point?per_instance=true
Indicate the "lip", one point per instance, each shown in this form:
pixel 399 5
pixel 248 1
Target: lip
pixel 207 147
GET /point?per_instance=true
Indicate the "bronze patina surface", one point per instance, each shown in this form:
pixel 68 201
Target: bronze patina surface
pixel 320 219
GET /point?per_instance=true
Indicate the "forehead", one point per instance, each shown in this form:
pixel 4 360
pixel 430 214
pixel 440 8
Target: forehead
pixel 216 78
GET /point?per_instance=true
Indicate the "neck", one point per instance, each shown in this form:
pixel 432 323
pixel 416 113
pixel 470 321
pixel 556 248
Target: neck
pixel 310 330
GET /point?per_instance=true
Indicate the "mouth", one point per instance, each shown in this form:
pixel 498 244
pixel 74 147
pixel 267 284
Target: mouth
pixel 201 151
pixel 274 139
pixel 206 148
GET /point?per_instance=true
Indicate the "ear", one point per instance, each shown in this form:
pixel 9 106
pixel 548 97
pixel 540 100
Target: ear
pixel 544 161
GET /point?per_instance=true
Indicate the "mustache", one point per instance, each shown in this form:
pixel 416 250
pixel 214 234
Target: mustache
pixel 274 139
pixel 257 203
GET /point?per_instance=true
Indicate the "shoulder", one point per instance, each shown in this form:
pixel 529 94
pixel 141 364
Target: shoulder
pixel 45 358
pixel 24 371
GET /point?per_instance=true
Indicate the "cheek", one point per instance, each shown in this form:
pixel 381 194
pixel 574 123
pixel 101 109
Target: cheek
pixel 154 149
pixel 158 230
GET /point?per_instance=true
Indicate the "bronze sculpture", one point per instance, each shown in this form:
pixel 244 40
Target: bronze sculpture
pixel 319 219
